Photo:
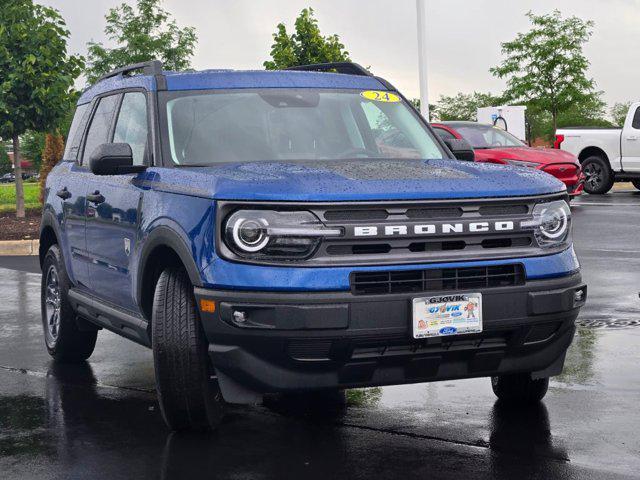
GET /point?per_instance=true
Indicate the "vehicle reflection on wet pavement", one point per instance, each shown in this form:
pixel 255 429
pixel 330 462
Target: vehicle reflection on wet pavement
pixel 100 419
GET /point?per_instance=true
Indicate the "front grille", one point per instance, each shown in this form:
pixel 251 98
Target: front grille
pixel 491 210
pixel 409 232
pixel 439 279
pixel 351 215
pixel 309 350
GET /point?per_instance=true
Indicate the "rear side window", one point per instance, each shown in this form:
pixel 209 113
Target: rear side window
pixel 636 119
pixel 75 132
pixel 444 134
pixel 132 127
pixel 99 130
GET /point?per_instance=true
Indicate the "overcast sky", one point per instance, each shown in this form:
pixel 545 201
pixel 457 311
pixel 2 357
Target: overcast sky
pixel 464 36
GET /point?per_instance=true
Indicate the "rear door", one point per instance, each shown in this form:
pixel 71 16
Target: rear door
pixel 69 188
pixel 112 223
pixel 630 141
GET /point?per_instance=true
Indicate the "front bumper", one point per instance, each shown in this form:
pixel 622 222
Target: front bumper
pixel 575 189
pixel 569 174
pixel 290 342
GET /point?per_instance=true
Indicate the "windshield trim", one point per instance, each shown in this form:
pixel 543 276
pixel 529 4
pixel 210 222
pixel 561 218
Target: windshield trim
pixel 163 133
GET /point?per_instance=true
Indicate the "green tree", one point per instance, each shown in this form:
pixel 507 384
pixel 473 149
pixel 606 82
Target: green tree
pixel 546 68
pixel 143 33
pixel 463 106
pixel 589 112
pixel 36 74
pixel 305 46
pixel 619 113
pixel 5 163
pixel 32 145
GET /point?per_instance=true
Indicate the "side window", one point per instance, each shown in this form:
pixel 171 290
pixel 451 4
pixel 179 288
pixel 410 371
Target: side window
pixel 74 136
pixel 99 130
pixel 444 134
pixel 636 119
pixel 132 126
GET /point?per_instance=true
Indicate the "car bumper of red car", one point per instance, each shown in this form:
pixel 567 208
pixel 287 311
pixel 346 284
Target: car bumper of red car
pixel 569 173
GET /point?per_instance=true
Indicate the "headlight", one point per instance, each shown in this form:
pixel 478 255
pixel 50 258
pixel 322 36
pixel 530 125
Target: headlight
pixel 551 223
pixel 271 234
pixel 520 163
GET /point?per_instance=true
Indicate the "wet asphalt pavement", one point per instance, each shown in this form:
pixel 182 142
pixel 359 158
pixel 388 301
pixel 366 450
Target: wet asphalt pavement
pixel 101 419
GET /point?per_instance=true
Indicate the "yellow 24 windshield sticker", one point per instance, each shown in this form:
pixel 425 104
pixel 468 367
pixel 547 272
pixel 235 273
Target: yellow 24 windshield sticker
pixel 379 96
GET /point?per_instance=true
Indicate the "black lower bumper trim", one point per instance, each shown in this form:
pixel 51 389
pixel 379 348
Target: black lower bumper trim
pixel 285 342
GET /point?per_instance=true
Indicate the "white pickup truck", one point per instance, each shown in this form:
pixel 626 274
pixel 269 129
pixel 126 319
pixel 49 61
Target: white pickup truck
pixel 607 155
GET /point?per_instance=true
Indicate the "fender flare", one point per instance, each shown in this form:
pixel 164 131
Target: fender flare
pixel 49 220
pixel 163 235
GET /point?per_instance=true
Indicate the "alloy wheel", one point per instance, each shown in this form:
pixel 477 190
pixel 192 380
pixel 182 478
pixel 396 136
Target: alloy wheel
pixel 594 174
pixel 52 306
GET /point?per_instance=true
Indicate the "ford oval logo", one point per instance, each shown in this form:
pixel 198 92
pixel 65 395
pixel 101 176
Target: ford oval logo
pixel 448 330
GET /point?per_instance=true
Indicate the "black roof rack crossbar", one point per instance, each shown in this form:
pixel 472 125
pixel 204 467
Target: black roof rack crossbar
pixel 153 67
pixel 348 68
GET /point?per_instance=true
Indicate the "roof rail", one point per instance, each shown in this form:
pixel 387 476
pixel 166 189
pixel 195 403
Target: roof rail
pixel 348 68
pixel 153 67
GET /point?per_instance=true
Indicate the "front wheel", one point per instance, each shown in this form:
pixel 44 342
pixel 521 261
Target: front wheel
pixel 519 389
pixel 599 176
pixel 185 380
pixel 64 340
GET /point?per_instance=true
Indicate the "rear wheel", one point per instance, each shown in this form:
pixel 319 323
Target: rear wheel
pixel 519 388
pixel 64 340
pixel 636 183
pixel 185 380
pixel 599 176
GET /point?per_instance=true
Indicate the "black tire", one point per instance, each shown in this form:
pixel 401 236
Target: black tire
pixel 599 175
pixel 519 389
pixel 185 380
pixel 636 183
pixel 65 342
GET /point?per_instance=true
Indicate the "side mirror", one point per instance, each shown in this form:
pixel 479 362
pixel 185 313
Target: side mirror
pixel 113 159
pixel 460 148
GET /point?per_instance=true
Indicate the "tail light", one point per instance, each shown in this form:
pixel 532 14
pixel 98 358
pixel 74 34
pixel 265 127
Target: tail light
pixel 558 141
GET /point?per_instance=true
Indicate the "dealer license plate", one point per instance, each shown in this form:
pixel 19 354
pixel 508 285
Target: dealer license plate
pixel 447 315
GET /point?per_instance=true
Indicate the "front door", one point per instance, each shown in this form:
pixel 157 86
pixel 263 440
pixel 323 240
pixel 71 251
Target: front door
pixel 74 182
pixel 113 211
pixel 630 142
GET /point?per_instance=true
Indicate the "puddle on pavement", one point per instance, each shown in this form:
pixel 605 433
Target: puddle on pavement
pixel 608 322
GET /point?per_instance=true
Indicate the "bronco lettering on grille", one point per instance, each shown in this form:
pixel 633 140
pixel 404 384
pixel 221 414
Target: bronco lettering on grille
pixel 433 229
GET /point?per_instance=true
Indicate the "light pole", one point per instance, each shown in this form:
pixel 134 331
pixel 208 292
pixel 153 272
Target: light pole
pixel 421 11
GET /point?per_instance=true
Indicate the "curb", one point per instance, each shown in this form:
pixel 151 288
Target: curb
pixel 19 247
pixel 623 187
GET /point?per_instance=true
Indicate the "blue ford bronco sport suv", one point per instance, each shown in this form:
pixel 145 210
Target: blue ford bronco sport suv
pixel 298 231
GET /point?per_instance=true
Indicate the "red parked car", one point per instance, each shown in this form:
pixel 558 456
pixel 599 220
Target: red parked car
pixel 494 145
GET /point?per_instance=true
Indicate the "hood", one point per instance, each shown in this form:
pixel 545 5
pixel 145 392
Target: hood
pixel 540 155
pixel 354 180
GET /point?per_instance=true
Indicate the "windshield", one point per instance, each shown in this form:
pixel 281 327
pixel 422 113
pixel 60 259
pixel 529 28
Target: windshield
pixel 205 128
pixel 486 136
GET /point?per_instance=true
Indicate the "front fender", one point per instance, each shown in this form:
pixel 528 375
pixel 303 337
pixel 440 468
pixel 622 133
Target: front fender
pixel 169 235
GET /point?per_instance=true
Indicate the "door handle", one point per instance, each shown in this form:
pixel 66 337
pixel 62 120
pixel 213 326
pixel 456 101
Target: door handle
pixel 95 197
pixel 64 193
pixel 632 138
